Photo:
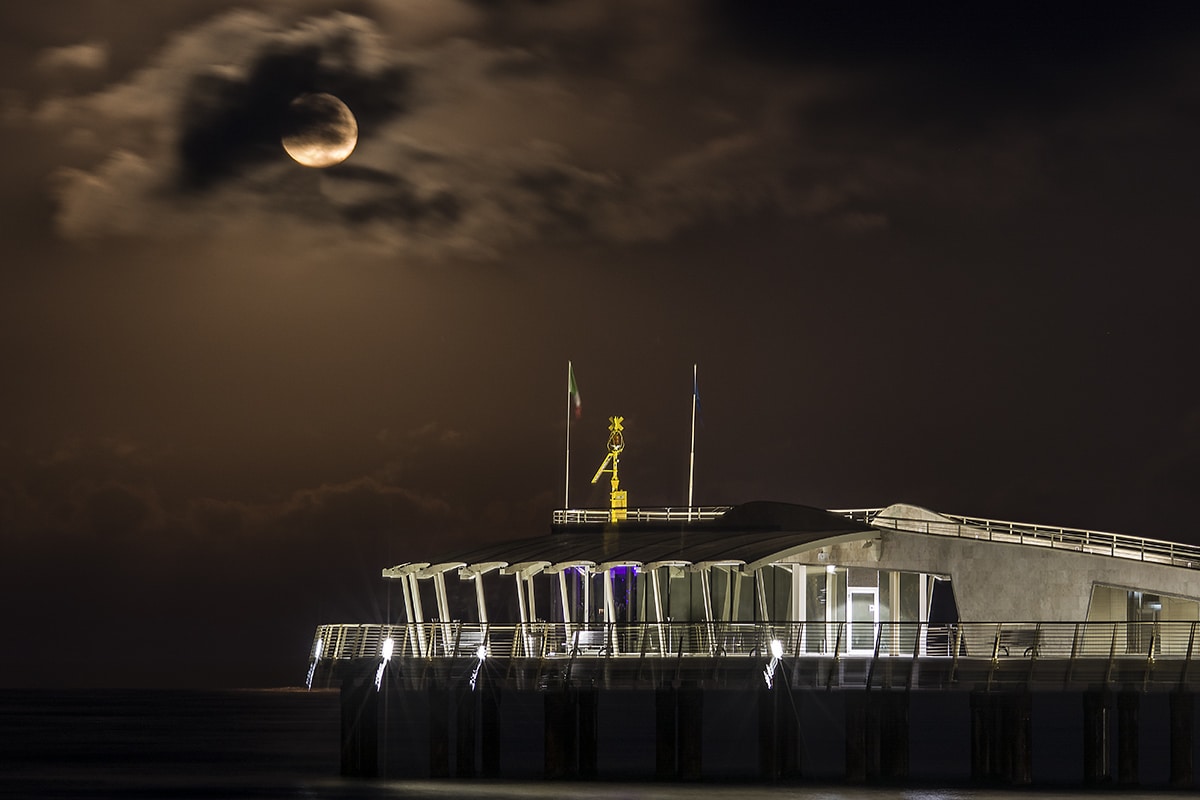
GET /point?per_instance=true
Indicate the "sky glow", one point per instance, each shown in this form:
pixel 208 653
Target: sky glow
pixel 927 256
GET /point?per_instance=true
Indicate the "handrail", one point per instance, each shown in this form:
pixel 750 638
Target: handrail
pixel 996 642
pixel 577 516
pixel 1115 545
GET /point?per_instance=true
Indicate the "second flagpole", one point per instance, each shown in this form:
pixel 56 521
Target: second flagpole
pixel 692 456
pixel 567 471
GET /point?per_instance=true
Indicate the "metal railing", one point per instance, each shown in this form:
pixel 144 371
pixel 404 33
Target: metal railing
pixel 576 516
pixel 987 640
pixel 1078 540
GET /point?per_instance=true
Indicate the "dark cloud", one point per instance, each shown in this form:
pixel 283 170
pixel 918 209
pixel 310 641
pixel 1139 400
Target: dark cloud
pixel 460 151
pixel 228 124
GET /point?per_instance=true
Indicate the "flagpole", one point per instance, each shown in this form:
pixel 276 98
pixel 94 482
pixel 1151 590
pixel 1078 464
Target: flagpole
pixel 567 470
pixel 692 457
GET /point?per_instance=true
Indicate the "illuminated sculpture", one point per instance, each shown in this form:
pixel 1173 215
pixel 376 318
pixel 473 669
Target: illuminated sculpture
pixel 618 500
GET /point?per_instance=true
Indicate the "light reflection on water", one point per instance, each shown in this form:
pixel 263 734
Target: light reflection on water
pixel 502 790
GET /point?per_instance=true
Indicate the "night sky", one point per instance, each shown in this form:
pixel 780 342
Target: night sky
pixel 942 256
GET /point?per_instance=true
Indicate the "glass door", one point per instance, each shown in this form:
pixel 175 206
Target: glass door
pixel 864 619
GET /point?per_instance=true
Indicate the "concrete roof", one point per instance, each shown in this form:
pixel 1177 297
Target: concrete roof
pixel 751 534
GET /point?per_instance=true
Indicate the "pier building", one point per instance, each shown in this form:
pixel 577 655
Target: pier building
pixel 745 639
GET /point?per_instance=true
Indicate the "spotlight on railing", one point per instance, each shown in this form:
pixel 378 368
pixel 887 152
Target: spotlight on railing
pixel 776 654
pixel 318 648
pixel 480 655
pixel 389 644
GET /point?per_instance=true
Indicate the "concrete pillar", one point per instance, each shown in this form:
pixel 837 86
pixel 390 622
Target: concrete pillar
pixel 1128 707
pixel 789 733
pixel 874 702
pixel 1096 765
pixel 1002 737
pixel 664 734
pixel 588 705
pixel 982 736
pixel 769 767
pixel 466 729
pixel 560 726
pixel 439 732
pixel 691 733
pixel 1001 750
pixel 856 737
pixel 1183 706
pixel 893 736
pixel 489 734
pixel 1017 738
pixel 360 723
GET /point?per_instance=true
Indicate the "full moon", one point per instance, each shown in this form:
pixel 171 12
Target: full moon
pixel 319 130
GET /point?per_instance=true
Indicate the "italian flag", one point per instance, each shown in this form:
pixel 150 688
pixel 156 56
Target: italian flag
pixel 573 392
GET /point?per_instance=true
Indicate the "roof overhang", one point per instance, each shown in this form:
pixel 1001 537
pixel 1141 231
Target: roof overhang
pixel 405 569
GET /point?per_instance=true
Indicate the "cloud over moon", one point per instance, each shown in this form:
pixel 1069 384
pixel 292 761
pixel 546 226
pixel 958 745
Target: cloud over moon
pixel 474 137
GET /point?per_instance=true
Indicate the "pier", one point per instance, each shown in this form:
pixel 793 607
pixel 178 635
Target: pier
pixel 467 700
pixel 774 642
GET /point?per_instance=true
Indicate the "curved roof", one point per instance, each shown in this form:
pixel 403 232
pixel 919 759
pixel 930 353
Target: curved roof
pixel 752 534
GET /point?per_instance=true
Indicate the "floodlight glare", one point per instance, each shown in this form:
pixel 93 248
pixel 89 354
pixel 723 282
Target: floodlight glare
pixel 481 652
pixel 776 648
pixel 389 644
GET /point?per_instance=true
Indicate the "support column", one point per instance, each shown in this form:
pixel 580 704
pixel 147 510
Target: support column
pixel 778 731
pixel 439 732
pixel 1128 708
pixel 871 741
pixel 982 725
pixel 768 735
pixel 664 733
pixel 1183 706
pixel 691 733
pixel 560 727
pixel 360 722
pixel 789 729
pixel 489 723
pixel 1096 766
pixel 1017 739
pixel 893 736
pixel 467 727
pixel 856 737
pixel 588 705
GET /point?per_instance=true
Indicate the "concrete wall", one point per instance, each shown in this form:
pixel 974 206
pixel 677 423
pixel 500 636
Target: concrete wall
pixel 1010 582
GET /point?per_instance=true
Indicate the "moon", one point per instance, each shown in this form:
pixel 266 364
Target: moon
pixel 319 130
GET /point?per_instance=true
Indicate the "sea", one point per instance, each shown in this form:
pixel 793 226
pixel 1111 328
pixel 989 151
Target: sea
pixel 257 744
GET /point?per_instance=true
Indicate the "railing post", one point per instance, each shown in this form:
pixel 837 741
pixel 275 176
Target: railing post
pixel 916 654
pixel 1112 656
pixel 1187 659
pixel 957 647
pixel 1074 652
pixel 875 655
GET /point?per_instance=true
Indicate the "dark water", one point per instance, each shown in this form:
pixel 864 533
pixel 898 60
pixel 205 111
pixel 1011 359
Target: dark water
pixel 279 744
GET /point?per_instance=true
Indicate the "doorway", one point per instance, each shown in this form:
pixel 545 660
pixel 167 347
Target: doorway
pixel 863 618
